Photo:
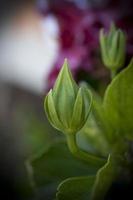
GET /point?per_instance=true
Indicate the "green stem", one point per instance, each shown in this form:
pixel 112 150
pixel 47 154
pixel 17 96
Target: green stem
pixel 72 144
pixel 113 74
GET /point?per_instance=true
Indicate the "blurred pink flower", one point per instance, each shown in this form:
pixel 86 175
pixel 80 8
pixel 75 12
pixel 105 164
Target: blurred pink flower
pixel 79 34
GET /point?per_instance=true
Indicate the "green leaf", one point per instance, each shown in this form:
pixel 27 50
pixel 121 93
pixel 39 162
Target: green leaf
pixel 104 178
pixel 51 111
pixel 58 164
pixel 93 137
pixel 82 107
pixel 118 103
pixel 104 50
pixel 111 33
pixel 78 188
pixel 78 111
pixel 114 46
pixel 87 100
pixel 37 135
pixel 121 48
pixel 100 119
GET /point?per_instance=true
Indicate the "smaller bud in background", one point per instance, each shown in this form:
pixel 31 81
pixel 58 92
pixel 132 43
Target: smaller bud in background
pixel 67 106
pixel 113 48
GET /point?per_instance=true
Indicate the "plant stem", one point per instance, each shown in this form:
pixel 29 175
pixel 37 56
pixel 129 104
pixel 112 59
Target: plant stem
pixel 72 144
pixel 113 74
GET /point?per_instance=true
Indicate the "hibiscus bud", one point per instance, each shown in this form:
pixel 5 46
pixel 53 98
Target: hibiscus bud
pixel 66 105
pixel 113 48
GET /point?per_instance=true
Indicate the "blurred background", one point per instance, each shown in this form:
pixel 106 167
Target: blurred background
pixel 35 37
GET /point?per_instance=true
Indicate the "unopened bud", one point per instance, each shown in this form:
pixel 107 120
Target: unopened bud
pixel 67 106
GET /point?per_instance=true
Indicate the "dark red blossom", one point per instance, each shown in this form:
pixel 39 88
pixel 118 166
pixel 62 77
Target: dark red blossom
pixel 79 33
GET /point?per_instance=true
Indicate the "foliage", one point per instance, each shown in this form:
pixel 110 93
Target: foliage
pixel 97 131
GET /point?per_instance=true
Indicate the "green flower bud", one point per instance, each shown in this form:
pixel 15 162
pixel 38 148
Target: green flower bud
pixel 67 106
pixel 113 48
